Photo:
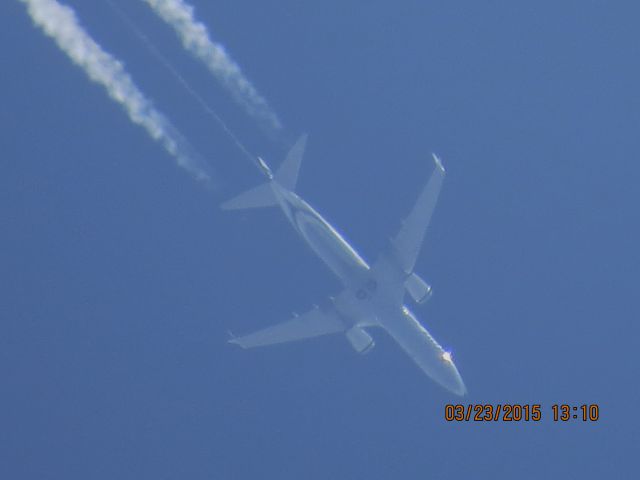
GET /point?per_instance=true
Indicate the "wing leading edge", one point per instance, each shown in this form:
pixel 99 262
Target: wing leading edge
pixel 311 324
pixel 408 241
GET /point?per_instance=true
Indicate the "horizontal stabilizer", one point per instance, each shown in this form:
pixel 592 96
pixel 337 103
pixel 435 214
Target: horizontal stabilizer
pixel 260 196
pixel 311 324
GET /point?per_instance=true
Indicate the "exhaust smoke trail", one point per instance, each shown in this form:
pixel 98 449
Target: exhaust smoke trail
pixel 195 38
pixel 61 24
pixel 189 89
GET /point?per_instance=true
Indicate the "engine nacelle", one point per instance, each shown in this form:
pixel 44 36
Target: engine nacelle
pixel 419 290
pixel 360 340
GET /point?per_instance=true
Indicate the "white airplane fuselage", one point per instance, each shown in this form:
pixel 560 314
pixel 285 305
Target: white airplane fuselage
pixel 370 299
pixel 323 239
pixel 372 295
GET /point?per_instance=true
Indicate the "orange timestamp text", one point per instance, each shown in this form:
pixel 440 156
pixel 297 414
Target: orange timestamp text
pixel 516 412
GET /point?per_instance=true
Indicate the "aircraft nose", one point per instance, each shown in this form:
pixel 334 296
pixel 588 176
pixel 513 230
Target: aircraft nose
pixel 460 389
pixel 453 381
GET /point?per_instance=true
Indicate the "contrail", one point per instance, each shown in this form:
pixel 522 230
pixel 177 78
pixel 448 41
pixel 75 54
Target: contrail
pixel 195 38
pixel 60 23
pixel 188 88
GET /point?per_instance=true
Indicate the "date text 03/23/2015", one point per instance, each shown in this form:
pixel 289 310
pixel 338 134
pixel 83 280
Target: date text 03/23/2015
pixel 515 412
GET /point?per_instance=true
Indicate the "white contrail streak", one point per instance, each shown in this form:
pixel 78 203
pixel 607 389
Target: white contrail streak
pixel 60 23
pixel 188 88
pixel 195 38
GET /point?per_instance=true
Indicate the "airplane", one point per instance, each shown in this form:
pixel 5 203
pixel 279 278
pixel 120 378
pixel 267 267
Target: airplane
pixel 372 296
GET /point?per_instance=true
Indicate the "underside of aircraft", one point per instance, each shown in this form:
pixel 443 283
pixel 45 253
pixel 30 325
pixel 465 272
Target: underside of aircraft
pixel 372 296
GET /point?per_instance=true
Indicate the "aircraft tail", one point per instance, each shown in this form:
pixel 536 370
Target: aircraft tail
pixel 257 197
pixel 286 176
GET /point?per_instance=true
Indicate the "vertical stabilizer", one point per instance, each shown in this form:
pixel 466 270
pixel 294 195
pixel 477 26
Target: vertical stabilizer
pixel 287 174
pixel 286 177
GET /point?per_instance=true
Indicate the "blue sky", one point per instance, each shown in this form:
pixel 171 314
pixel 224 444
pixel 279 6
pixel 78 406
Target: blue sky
pixel 120 277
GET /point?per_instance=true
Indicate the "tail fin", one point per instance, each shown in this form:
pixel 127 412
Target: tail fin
pixel 287 174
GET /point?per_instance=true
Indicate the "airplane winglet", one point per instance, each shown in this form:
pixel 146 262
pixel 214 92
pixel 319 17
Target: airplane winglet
pixel 438 162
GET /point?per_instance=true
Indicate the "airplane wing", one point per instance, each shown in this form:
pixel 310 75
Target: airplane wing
pixel 408 241
pixel 314 323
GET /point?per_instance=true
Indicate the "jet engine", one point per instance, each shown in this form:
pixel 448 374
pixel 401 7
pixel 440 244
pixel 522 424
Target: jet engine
pixel 419 290
pixel 360 340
